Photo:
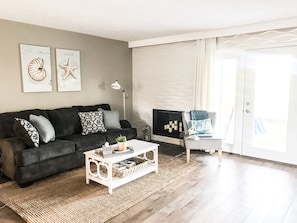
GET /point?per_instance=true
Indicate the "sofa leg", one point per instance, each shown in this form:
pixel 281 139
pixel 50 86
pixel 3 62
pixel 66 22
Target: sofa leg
pixel 25 184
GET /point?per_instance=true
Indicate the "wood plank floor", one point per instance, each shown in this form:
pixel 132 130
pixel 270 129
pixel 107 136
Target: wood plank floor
pixel 242 189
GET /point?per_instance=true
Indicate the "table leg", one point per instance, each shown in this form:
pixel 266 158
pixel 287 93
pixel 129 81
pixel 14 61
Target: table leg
pixel 156 159
pixel 109 176
pixel 87 169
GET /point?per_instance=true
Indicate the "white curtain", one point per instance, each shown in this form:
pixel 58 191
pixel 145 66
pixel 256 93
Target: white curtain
pixel 205 58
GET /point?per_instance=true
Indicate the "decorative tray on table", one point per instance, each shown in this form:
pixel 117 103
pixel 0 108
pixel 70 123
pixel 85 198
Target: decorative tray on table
pixel 114 152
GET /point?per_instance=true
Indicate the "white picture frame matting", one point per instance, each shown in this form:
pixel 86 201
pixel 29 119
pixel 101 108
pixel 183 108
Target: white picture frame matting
pixel 68 70
pixel 36 68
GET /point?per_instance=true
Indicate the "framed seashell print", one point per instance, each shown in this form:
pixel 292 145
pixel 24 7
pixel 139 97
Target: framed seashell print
pixel 36 68
pixel 68 70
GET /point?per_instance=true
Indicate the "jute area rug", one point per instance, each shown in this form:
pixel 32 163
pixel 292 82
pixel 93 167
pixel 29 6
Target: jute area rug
pixel 67 198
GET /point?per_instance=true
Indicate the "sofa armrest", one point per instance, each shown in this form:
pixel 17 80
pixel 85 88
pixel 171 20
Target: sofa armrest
pixel 8 148
pixel 125 124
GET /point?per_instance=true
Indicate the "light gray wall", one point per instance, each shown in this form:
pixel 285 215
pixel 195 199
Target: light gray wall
pixel 102 61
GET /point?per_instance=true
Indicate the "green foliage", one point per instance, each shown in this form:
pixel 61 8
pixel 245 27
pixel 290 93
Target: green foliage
pixel 121 139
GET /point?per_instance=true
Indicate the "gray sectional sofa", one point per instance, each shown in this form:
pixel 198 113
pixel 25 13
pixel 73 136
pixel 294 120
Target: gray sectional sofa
pixel 27 163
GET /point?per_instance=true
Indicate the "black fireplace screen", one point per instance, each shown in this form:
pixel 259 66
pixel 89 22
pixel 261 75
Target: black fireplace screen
pixel 167 123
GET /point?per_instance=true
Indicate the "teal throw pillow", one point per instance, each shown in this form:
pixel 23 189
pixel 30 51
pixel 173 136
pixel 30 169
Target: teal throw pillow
pixel 198 114
pixel 203 126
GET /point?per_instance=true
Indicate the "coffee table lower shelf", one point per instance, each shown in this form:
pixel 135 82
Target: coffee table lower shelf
pixel 119 181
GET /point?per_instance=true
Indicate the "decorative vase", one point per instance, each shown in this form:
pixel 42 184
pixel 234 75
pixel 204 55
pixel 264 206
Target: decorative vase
pixel 122 146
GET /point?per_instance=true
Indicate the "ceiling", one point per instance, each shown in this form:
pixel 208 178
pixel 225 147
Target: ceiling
pixel 132 20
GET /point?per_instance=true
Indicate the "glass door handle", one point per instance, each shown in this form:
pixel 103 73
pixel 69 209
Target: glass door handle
pixel 248 111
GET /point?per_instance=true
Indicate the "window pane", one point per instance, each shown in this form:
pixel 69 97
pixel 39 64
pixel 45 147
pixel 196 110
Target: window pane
pixel 271 101
pixel 226 76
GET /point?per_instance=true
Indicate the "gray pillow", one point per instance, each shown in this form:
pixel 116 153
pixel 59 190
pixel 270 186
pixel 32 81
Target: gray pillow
pixel 111 119
pixel 44 127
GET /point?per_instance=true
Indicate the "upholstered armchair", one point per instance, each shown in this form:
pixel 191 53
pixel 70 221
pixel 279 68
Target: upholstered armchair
pixel 206 140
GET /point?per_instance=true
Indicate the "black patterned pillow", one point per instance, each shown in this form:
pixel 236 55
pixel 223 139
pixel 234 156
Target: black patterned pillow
pixel 91 122
pixel 26 132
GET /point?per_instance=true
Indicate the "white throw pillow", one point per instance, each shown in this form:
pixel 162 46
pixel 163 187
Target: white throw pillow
pixel 44 127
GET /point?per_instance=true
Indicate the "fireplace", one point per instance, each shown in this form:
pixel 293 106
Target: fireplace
pixel 167 123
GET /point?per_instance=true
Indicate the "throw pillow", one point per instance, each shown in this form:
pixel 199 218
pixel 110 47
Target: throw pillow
pixel 44 127
pixel 91 122
pixel 111 119
pixel 200 126
pixel 198 114
pixel 26 132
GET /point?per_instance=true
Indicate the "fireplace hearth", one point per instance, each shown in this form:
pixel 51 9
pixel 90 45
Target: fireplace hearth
pixel 167 123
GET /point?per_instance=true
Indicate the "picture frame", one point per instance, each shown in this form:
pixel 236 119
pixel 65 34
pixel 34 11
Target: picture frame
pixel 68 70
pixel 36 68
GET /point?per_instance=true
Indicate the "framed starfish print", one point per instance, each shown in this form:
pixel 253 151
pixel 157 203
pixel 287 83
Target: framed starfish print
pixel 68 70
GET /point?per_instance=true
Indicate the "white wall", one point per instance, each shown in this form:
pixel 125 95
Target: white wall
pixel 163 78
pixel 163 75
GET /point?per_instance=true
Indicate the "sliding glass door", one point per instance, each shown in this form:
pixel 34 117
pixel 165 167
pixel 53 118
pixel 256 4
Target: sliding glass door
pixel 269 104
pixel 257 98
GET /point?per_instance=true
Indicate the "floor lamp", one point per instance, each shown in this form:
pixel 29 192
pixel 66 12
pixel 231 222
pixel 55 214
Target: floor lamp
pixel 116 85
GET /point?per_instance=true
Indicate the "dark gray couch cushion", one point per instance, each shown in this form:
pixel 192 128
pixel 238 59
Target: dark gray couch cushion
pixel 87 108
pixel 44 152
pixel 65 121
pixel 111 134
pixel 30 173
pixel 7 119
pixel 86 142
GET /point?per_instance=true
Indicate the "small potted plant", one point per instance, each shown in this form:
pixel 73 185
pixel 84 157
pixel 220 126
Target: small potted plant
pixel 122 142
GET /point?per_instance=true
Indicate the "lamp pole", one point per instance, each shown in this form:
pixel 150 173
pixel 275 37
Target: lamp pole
pixel 116 85
pixel 124 103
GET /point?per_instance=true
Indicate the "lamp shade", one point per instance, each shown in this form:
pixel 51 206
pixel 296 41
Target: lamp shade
pixel 116 85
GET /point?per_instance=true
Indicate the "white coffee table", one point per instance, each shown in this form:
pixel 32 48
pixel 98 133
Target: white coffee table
pixel 140 149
